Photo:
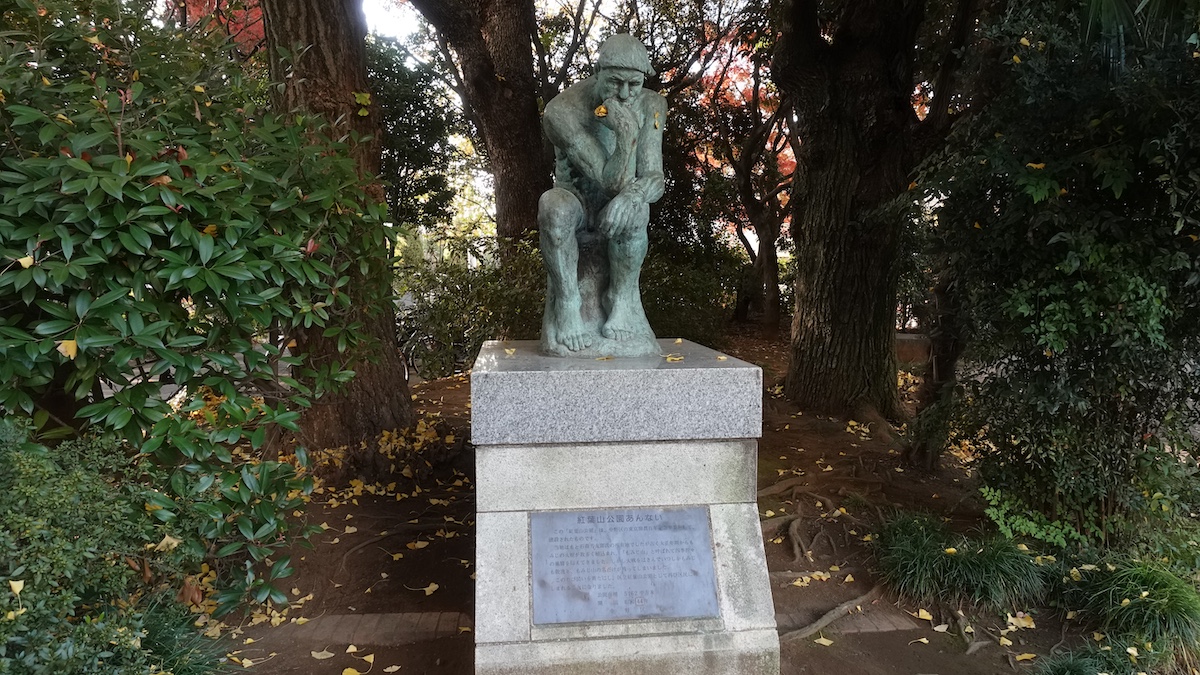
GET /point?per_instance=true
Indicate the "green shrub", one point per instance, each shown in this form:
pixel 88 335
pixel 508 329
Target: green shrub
pixel 688 296
pixel 1090 660
pixel 75 522
pixel 156 227
pixel 450 307
pixel 1138 602
pixel 921 559
pixel 1065 219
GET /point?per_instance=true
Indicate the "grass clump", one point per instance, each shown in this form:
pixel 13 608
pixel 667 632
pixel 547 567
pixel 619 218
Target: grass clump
pixel 1138 601
pixel 923 560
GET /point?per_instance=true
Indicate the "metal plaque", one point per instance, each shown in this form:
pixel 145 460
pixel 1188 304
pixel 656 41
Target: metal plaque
pixel 621 564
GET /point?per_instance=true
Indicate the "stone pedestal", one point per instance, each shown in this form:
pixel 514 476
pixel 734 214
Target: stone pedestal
pixel 617 528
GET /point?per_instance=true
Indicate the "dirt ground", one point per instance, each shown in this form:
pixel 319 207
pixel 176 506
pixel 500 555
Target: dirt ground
pixel 387 545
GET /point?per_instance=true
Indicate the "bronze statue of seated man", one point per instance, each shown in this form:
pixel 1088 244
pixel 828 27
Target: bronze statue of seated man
pixel 607 133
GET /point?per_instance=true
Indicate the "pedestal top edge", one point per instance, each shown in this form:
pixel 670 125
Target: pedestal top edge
pixel 517 356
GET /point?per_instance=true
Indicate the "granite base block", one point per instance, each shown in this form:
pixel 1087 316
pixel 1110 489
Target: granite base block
pixel 519 396
pixel 573 476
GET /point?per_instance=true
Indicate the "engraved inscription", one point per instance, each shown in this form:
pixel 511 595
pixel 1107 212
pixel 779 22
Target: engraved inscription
pixel 621 564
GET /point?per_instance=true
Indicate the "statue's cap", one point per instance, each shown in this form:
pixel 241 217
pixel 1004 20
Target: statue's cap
pixel 624 51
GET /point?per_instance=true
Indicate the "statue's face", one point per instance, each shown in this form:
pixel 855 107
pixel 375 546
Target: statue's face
pixel 620 83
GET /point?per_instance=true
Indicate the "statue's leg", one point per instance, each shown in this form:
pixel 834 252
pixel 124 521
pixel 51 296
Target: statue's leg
pixel 626 252
pixel 559 216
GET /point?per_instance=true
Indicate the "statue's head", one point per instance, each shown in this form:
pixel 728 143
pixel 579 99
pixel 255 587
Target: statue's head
pixel 621 67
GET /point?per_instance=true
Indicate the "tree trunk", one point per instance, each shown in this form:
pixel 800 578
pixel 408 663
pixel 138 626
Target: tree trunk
pixel 492 42
pixel 766 267
pixel 324 79
pixel 854 118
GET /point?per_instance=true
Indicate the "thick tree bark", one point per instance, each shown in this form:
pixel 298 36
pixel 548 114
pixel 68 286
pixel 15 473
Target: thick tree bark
pixel 852 97
pixel 324 79
pixel 492 40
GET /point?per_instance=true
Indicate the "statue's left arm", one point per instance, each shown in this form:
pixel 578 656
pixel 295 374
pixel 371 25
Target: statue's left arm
pixel 649 184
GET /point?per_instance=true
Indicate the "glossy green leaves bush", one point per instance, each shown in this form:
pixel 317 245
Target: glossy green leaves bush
pixel 1065 214
pixel 158 227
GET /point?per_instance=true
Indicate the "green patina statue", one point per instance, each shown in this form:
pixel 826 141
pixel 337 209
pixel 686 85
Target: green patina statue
pixel 607 133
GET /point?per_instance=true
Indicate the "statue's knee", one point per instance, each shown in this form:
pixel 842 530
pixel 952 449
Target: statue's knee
pixel 559 212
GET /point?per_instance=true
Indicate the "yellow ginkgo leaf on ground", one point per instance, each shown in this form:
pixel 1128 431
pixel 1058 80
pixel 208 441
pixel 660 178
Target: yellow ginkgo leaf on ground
pixel 322 655
pixel 413 545
pixel 352 671
pixel 428 589
pixel 351 649
pixel 350 530
pixel 942 627
pixel 848 579
pixel 397 556
pixel 391 669
pixel 369 658
pixel 25 262
pixel 299 621
pixel 1026 657
pixel 923 641
pixel 1005 642
pixel 923 615
pixel 464 629
pixel 823 641
pixel 68 348
pixel 17 585
pixel 168 543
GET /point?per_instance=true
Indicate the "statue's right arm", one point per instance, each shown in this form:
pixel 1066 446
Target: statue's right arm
pixel 584 152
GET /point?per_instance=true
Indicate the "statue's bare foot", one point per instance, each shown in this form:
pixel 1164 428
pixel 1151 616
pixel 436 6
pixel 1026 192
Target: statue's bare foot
pixel 574 336
pixel 620 325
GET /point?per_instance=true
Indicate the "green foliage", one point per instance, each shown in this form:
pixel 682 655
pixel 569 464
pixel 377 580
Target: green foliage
pixel 1066 215
pixel 921 559
pixel 1013 520
pixel 458 294
pixel 157 227
pixel 77 515
pixel 690 294
pixel 1137 602
pixel 417 121
pixel 461 296
pixel 1088 661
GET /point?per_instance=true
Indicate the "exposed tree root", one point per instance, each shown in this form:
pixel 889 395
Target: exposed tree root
pixel 830 616
pixel 782 486
pixel 800 548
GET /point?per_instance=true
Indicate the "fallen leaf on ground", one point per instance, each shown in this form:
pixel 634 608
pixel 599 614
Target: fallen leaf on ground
pixel 414 545
pixel 823 641
pixel 322 655
pixel 923 641
pixel 351 649
pixel 942 627
pixel 1026 657
pixel 391 669
pixel 1005 642
pixel 923 615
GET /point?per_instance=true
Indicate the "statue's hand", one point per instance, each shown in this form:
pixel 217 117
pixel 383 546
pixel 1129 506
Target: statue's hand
pixel 620 216
pixel 620 118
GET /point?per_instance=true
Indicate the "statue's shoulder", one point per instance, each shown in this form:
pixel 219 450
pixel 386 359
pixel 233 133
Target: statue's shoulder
pixel 655 101
pixel 571 100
